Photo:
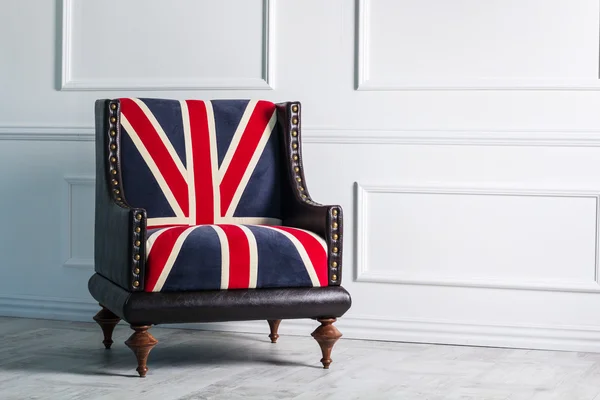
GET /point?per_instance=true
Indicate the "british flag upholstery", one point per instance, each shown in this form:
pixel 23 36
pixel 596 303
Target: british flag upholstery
pixel 212 257
pixel 208 174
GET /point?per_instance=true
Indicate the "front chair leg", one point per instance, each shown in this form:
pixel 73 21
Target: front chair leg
pixel 107 321
pixel 326 335
pixel 274 325
pixel 141 342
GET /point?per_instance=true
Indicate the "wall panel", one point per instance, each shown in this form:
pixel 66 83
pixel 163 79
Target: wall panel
pixel 467 44
pixel 144 45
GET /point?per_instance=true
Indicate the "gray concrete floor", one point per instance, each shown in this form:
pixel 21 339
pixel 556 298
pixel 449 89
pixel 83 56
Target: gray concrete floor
pixel 66 360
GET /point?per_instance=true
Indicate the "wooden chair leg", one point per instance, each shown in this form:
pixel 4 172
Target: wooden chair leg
pixel 326 335
pixel 107 321
pixel 274 325
pixel 141 342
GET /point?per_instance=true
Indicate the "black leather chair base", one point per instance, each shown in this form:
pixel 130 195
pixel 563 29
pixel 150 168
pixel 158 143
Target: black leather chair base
pixel 141 308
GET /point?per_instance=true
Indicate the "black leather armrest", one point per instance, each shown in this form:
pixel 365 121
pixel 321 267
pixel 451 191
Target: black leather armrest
pixel 299 210
pixel 120 230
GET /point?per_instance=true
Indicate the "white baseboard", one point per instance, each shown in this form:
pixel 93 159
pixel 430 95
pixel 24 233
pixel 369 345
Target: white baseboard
pixel 47 308
pixel 569 338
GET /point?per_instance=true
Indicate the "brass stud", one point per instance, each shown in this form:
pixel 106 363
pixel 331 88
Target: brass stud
pixel 303 196
pixel 295 108
pixel 334 277
pixel 113 146
pixel 335 236
pixel 115 182
pixel 137 242
pixel 136 283
pixel 335 249
pixel 296 169
pixel 113 106
pixel 138 230
pixel 334 225
pixel 138 217
pixel 117 191
pixel 299 179
pixel 113 119
pixel 114 172
pixel 136 257
pixel 294 145
pixel 335 212
pixel 334 264
pixel 295 157
pixel 294 120
pixel 113 159
pixel 113 133
pixel 294 133
pixel 119 199
pixel 301 188
pixel 136 271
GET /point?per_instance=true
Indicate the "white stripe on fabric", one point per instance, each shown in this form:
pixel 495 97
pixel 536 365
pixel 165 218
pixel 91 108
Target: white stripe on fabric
pixel 214 158
pixel 163 136
pixel 171 260
pixel 235 141
pixel 251 165
pixel 152 239
pixel 253 256
pixel 224 256
pixel 310 269
pixel 160 221
pixel 250 220
pixel 153 222
pixel 152 166
pixel 189 160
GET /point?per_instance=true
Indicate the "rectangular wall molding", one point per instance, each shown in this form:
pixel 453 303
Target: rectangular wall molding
pixel 327 135
pixel 72 260
pixel 366 81
pixel 265 82
pixel 365 274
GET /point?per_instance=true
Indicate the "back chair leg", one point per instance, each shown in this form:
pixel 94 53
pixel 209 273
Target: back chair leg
pixel 274 325
pixel 141 342
pixel 326 335
pixel 107 321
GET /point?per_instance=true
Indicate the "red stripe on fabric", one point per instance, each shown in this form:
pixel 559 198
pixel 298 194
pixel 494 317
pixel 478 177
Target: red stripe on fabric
pixel 203 173
pixel 239 257
pixel 161 249
pixel 150 226
pixel 315 251
pixel 245 150
pixel 158 151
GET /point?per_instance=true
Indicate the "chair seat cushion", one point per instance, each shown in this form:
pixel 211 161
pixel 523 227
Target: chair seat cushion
pixel 233 256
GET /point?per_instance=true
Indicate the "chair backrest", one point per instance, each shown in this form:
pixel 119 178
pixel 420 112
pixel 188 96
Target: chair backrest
pixel 194 162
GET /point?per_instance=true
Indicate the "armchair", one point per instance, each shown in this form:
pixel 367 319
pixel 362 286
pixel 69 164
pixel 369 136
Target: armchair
pixel 203 215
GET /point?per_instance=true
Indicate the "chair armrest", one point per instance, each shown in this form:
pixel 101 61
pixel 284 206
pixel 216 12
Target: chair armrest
pixel 299 210
pixel 120 230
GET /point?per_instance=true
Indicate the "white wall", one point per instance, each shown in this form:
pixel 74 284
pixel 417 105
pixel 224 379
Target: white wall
pixel 462 139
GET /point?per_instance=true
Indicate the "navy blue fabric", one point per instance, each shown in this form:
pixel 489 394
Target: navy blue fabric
pixel 168 115
pixel 228 114
pixel 142 190
pixel 198 265
pixel 280 264
pixel 262 196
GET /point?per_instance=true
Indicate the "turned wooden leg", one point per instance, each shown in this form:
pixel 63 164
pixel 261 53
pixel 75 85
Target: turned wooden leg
pixel 141 342
pixel 274 325
pixel 326 335
pixel 107 321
